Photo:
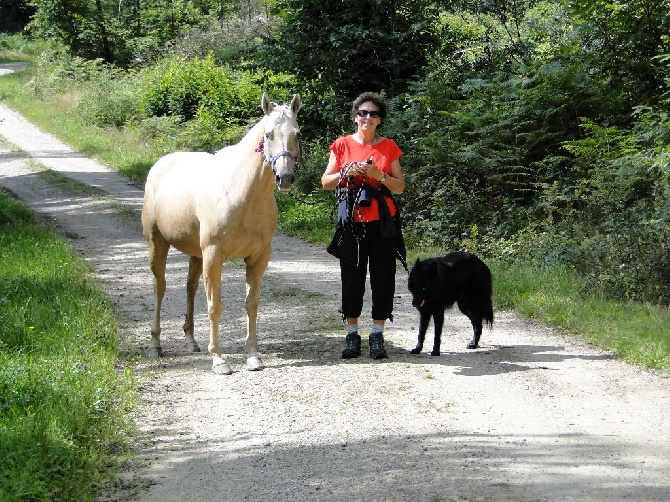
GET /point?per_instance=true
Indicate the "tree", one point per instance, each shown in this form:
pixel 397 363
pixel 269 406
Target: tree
pixel 623 41
pixel 112 30
pixel 352 46
pixel 14 15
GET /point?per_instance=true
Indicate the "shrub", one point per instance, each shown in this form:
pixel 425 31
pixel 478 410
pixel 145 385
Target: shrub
pixel 110 100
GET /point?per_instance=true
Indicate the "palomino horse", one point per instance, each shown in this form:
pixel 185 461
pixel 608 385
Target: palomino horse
pixel 216 207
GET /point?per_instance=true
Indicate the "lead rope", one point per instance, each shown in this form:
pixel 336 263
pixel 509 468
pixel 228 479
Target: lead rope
pixel 350 195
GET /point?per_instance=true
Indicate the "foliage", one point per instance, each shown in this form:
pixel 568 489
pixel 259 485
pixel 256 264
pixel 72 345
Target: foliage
pixel 616 212
pixel 111 98
pixel 14 15
pixel 526 126
pixel 62 400
pixel 116 32
pixel 200 88
pixel 621 41
pixel 233 34
pixel 369 46
pixel 339 49
pixel 180 88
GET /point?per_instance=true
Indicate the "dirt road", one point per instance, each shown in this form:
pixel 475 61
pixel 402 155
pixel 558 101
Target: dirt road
pixel 532 415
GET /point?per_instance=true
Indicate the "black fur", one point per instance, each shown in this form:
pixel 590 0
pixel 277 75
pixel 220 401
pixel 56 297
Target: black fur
pixel 437 283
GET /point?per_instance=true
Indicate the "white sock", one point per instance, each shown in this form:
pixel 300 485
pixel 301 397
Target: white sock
pixel 352 328
pixel 377 328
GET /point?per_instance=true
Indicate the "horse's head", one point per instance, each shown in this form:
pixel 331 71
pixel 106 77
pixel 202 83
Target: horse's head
pixel 281 140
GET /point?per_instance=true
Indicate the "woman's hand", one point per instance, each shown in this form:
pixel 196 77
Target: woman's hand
pixel 358 168
pixel 370 169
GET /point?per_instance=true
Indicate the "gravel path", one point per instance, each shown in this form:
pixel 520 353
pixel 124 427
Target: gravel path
pixel 532 415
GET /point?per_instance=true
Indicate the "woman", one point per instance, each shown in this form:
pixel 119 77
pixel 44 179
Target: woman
pixel 365 169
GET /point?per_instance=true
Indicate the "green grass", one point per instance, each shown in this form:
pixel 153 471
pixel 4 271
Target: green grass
pixel 637 332
pixel 63 400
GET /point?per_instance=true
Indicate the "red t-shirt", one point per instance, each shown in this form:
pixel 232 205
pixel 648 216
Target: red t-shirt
pixel 384 153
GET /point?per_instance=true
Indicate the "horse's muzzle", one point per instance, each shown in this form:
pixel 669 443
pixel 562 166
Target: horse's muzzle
pixel 285 181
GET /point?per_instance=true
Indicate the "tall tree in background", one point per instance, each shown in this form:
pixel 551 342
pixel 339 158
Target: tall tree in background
pixel 79 24
pixel 352 45
pixel 111 30
pixel 623 42
pixel 14 15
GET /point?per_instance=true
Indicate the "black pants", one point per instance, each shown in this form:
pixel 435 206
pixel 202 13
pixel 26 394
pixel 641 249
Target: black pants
pixel 379 254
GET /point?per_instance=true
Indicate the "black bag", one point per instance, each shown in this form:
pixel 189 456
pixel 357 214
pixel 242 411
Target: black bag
pixel 344 245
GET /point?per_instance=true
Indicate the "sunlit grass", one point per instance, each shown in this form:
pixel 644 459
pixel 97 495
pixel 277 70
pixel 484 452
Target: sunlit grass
pixel 637 332
pixel 124 150
pixel 63 400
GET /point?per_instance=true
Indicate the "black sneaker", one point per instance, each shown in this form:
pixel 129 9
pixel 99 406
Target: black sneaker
pixel 353 346
pixel 377 350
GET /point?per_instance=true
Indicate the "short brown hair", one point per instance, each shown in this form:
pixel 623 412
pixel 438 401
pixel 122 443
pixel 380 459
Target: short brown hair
pixel 371 97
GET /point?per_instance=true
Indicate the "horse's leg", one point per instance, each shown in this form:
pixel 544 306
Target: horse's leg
pixel 212 267
pixel 255 270
pixel 192 283
pixel 158 251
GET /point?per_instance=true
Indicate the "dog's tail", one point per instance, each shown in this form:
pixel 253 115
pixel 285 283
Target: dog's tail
pixel 488 314
pixel 488 307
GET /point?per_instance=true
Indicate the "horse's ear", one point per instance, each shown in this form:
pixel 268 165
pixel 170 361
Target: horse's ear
pixel 295 104
pixel 266 104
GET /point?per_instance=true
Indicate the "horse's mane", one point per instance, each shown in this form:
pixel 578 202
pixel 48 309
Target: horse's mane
pixel 252 138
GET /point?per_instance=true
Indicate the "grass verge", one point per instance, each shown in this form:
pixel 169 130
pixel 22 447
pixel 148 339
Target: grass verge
pixel 63 399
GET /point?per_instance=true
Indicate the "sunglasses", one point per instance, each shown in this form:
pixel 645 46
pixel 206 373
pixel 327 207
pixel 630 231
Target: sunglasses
pixel 368 113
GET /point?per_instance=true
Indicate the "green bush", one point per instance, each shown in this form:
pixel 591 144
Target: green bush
pixel 110 100
pixel 180 87
pixel 214 103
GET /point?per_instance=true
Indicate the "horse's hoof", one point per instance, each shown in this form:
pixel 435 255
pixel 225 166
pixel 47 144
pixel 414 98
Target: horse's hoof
pixel 153 352
pixel 221 367
pixel 192 346
pixel 473 345
pixel 434 353
pixel 415 351
pixel 255 363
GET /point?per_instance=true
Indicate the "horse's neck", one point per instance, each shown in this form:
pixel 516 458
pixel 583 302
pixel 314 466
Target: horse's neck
pixel 244 163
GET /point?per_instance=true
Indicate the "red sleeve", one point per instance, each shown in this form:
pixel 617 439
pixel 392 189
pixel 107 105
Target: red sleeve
pixel 338 149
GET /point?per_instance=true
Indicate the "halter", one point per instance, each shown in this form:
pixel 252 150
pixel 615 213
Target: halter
pixel 273 160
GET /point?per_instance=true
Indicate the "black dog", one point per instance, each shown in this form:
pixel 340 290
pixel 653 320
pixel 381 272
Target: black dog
pixel 437 283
